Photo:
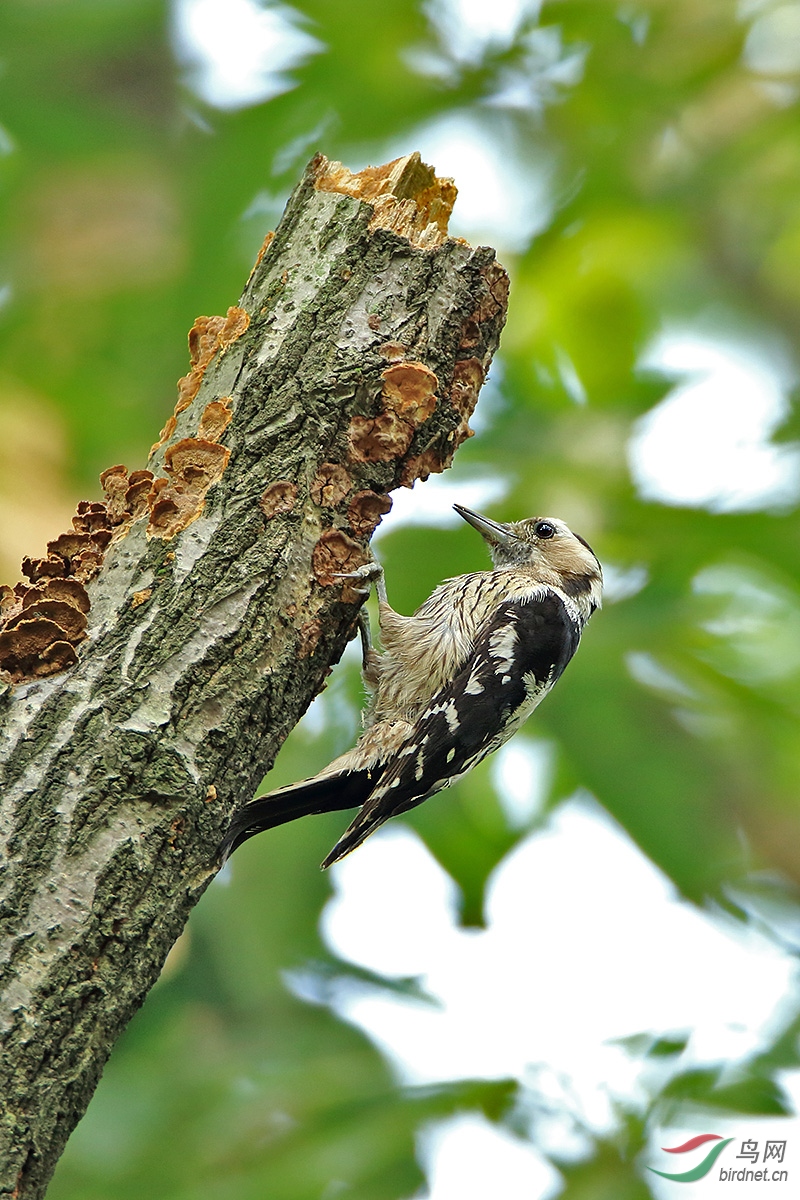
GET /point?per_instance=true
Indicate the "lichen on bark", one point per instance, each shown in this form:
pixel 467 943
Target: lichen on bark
pixel 214 616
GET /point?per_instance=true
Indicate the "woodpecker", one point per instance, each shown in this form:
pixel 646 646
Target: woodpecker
pixel 453 682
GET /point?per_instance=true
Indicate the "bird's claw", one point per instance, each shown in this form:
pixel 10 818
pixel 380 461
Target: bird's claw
pixel 369 573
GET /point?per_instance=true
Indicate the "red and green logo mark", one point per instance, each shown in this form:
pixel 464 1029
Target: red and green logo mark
pixel 703 1167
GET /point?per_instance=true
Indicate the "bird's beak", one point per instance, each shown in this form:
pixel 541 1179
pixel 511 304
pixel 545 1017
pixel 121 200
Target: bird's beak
pixel 492 531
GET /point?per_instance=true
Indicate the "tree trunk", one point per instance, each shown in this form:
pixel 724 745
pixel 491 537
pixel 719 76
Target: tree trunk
pixel 350 366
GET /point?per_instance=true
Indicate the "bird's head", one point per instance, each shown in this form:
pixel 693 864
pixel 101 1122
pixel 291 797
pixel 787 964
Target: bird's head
pixel 546 546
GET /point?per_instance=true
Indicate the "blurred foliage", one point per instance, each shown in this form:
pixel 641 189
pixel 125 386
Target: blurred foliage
pixel 669 131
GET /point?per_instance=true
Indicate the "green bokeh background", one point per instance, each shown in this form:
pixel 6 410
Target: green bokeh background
pixel 129 206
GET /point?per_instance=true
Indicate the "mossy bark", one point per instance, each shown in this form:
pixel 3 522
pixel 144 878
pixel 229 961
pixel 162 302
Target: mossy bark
pixel 118 776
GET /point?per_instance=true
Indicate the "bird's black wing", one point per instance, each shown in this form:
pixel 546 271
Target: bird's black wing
pixel 518 656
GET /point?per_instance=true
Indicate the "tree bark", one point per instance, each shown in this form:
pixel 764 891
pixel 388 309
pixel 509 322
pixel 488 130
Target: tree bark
pixel 350 366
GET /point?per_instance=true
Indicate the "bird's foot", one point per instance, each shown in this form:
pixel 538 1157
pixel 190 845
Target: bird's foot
pixel 368 573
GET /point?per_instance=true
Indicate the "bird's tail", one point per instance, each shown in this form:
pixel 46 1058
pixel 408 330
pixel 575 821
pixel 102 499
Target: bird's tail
pixel 323 793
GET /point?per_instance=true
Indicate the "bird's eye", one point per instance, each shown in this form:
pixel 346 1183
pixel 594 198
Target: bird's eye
pixel 544 529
